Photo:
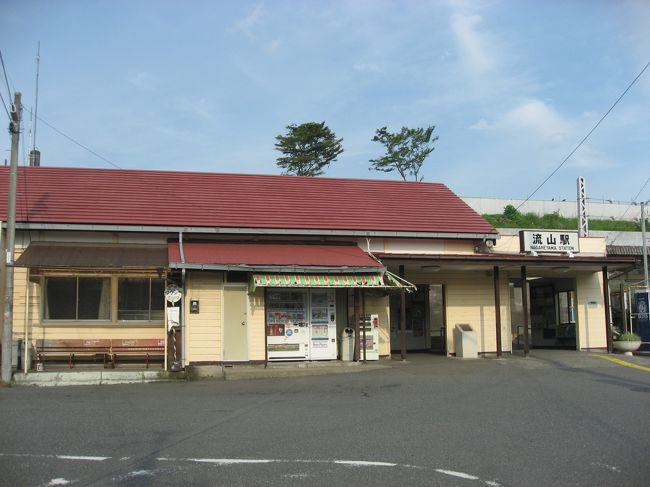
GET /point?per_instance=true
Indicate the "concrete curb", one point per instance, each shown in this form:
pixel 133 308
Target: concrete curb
pixel 279 371
pixel 95 377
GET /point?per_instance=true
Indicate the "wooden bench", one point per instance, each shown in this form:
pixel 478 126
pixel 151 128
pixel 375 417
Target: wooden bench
pixel 146 348
pixel 73 349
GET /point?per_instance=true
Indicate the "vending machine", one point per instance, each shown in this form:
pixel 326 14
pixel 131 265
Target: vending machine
pixel 322 324
pixel 287 324
pixel 301 324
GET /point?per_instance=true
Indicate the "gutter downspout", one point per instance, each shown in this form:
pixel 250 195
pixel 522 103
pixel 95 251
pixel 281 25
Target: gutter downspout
pixel 182 313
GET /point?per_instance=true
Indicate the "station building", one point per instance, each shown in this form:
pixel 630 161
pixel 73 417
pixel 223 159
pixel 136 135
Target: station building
pixel 218 269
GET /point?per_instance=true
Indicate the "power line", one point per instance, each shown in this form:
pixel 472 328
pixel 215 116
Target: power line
pixel 5 105
pixel 78 143
pixel 5 73
pixel 633 203
pixel 585 137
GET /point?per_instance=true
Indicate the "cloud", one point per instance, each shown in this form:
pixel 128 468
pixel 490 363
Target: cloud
pixel 248 24
pixel 474 48
pixel 140 79
pixel 362 67
pixel 532 116
pixel 539 118
pixel 272 46
pixel 588 158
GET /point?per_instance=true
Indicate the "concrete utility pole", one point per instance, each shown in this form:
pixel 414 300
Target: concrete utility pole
pixel 7 328
pixel 645 246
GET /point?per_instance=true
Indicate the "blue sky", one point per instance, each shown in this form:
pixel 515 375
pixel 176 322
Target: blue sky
pixel 511 86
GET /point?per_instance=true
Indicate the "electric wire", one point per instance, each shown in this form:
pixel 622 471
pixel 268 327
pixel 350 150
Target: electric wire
pixel 4 70
pixel 585 137
pixel 78 143
pixel 5 105
pixel 632 203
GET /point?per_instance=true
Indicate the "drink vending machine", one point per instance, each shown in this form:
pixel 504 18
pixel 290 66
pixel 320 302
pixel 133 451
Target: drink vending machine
pixel 301 324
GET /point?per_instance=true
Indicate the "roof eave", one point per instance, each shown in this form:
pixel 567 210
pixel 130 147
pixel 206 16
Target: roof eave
pixel 295 269
pixel 252 231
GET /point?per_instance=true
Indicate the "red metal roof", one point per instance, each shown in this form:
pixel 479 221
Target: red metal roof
pixel 164 198
pixel 272 255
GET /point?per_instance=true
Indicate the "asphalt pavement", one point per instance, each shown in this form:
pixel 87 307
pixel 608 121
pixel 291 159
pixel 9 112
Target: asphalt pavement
pixel 556 418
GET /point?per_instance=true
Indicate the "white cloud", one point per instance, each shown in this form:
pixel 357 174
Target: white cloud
pixel 248 24
pixel 140 79
pixel 362 67
pixel 534 117
pixel 273 46
pixel 539 118
pixel 587 158
pixel 476 54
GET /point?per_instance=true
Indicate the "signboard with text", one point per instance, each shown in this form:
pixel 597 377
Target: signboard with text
pixel 545 241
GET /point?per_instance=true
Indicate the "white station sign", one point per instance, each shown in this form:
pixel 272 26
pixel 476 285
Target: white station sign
pixel 544 241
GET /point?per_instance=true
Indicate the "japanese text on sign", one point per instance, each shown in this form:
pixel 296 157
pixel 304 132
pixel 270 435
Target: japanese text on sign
pixel 544 241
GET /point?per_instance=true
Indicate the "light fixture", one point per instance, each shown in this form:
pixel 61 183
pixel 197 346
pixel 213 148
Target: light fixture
pixel 562 269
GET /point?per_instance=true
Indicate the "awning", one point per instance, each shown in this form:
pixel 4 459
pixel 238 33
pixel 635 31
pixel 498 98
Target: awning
pixel 377 281
pixel 88 256
pixel 276 258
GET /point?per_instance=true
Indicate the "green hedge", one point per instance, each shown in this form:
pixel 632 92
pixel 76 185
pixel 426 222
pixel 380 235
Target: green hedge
pixel 511 218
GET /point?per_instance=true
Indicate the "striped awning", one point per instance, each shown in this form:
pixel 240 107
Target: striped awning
pixel 375 280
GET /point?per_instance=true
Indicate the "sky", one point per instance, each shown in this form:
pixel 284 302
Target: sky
pixel 512 86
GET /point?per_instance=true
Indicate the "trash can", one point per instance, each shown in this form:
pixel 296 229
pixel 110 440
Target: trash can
pixel 465 341
pixel 347 345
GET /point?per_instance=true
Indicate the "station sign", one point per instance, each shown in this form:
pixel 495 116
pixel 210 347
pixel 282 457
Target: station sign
pixel 544 241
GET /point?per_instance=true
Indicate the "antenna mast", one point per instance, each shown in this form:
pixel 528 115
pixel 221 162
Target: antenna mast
pixel 35 154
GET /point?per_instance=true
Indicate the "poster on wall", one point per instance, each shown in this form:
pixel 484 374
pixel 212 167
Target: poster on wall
pixel 642 317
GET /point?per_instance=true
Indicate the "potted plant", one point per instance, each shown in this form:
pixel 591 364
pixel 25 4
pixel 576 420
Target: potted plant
pixel 627 343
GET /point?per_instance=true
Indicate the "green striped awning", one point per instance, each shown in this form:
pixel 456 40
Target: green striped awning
pixel 324 280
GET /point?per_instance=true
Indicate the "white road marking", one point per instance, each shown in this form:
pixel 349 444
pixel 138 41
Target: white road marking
pixel 453 473
pixel 81 457
pixel 230 461
pixel 611 468
pixel 260 461
pixel 140 473
pixel 359 463
pixel 59 457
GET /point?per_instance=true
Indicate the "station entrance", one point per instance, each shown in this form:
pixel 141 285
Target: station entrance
pixel 552 322
pixel 425 320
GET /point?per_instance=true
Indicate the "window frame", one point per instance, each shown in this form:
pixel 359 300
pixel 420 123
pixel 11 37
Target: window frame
pixel 148 320
pixel 112 321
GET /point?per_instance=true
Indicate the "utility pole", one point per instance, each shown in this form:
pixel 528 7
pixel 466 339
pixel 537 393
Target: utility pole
pixel 583 219
pixel 645 247
pixel 7 328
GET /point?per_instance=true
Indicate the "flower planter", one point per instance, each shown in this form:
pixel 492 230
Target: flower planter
pixel 626 347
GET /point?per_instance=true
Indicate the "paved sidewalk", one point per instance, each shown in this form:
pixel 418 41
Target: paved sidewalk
pixel 423 363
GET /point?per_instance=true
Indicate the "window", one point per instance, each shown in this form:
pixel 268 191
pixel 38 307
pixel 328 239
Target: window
pixel 566 301
pixel 77 298
pixel 140 299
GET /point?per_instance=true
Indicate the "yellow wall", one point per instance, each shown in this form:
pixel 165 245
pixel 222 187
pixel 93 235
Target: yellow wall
pixel 469 299
pixel 203 330
pixel 592 332
pixel 37 330
pixel 256 326
pixel 405 246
